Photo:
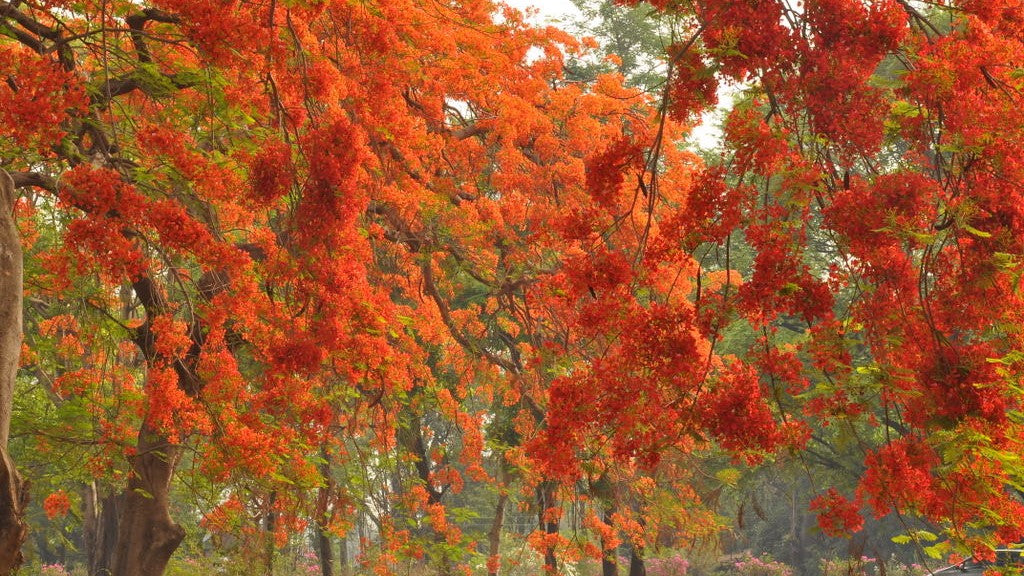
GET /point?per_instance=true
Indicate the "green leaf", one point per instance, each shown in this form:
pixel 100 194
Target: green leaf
pixel 905 109
pixel 938 551
pixel 281 478
pixel 728 476
pixel 1004 260
pixel 979 233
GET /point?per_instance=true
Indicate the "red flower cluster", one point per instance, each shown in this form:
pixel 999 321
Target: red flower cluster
pixel 837 516
pixel 57 504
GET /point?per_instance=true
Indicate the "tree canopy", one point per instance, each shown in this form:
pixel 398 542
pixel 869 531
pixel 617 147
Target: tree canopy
pixel 420 271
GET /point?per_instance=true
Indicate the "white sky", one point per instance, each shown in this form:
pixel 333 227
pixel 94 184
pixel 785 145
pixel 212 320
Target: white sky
pixel 550 10
pixel 706 136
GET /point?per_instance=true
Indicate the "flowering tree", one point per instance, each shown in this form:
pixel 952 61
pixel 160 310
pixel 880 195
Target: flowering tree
pixel 871 165
pixel 267 239
pixel 267 224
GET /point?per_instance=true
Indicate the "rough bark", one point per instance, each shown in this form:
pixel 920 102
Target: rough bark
pixel 146 535
pixel 100 529
pixel 10 303
pixel 13 530
pixel 545 501
pixel 13 492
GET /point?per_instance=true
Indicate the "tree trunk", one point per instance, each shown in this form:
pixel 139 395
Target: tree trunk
pixel 363 537
pixel 146 535
pixel 343 557
pixel 13 492
pixel 411 438
pixel 13 530
pixel 637 567
pixel 269 527
pixel 324 551
pixel 100 529
pixel 494 535
pixel 603 492
pixel 609 563
pixel 609 556
pixel 323 515
pixel 545 502
pixel 636 561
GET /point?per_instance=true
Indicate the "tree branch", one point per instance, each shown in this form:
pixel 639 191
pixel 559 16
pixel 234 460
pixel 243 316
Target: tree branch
pixel 136 22
pixel 36 179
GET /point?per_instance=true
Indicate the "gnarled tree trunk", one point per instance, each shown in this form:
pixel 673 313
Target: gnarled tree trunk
pixel 13 493
pixel 146 535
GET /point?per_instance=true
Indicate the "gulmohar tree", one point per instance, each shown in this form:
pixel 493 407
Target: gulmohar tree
pixel 271 240
pixel 887 133
pixel 276 211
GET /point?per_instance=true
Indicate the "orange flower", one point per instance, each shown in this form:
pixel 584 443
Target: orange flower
pixel 57 504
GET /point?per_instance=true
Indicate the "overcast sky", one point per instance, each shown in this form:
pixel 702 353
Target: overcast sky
pixel 549 9
pixel 705 136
